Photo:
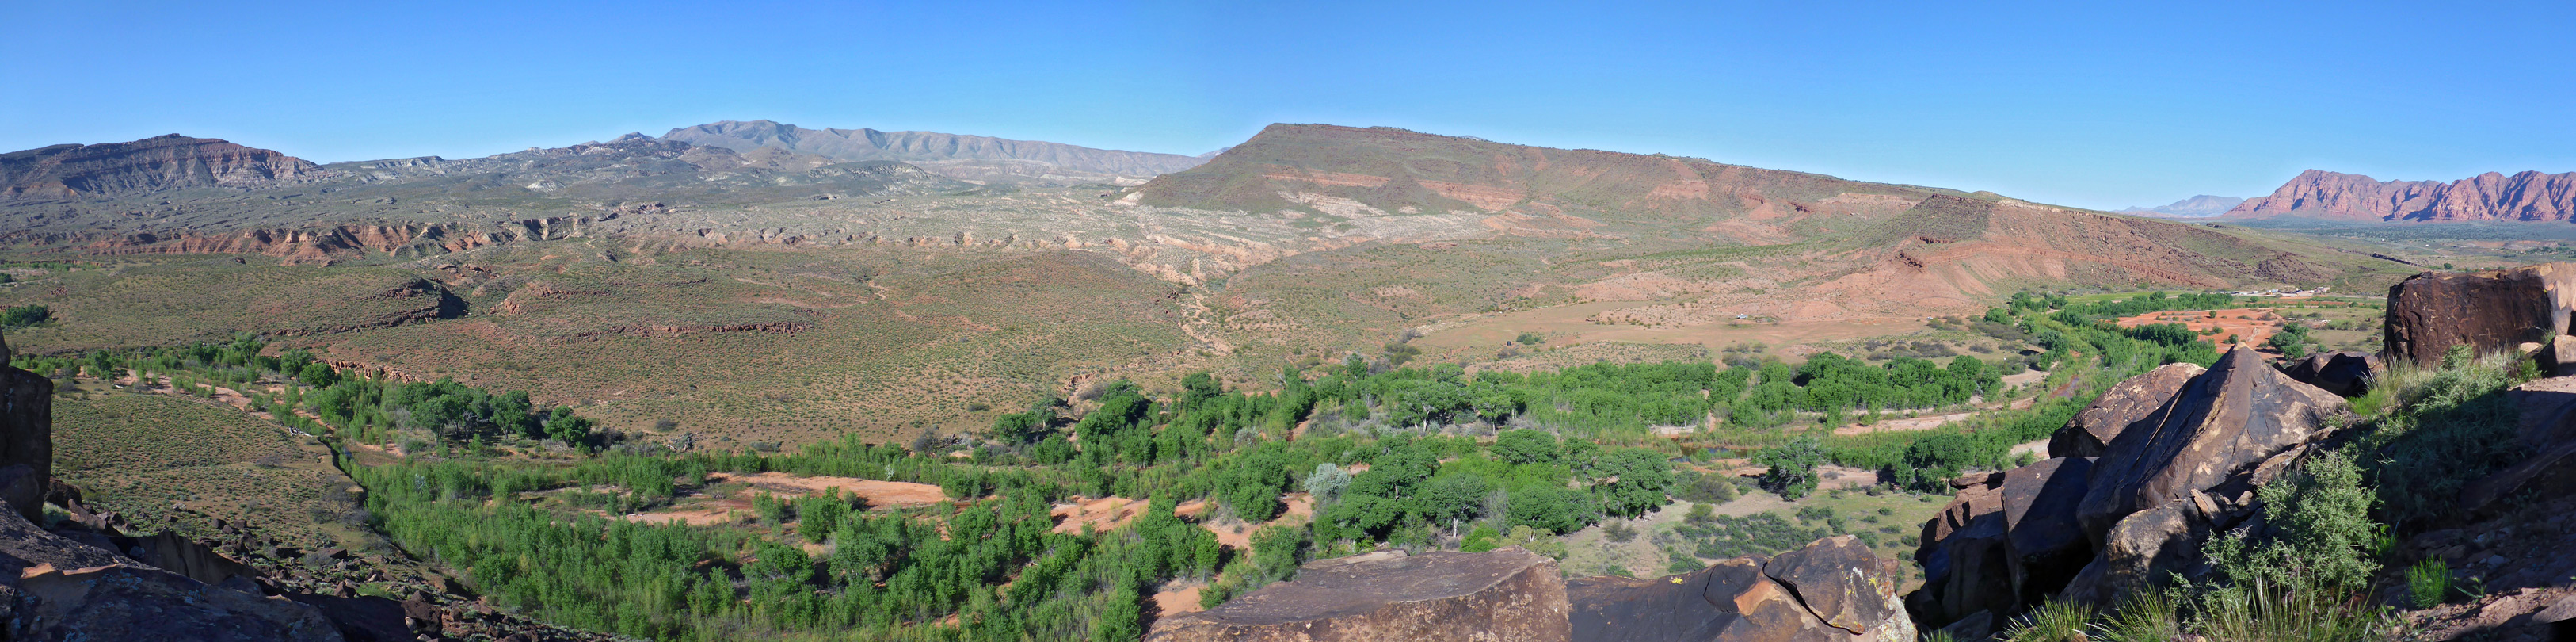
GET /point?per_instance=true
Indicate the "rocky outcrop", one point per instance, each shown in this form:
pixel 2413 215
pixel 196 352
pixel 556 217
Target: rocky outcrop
pixel 2091 529
pixel 78 582
pixel 2348 374
pixel 1505 595
pixel 2527 196
pixel 2490 311
pixel 1834 589
pixel 2125 404
pixel 26 437
pixel 2004 543
pixel 2228 419
pixel 151 164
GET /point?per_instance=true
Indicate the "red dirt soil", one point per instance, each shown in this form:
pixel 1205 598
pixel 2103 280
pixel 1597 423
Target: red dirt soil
pixel 2252 326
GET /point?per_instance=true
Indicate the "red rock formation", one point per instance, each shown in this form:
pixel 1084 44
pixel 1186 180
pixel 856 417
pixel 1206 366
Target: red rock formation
pixel 2527 196
pixel 160 162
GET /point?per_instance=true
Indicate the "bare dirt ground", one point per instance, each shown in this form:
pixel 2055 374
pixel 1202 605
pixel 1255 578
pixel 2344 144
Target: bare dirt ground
pixel 1902 425
pixel 1236 534
pixel 1103 514
pixel 878 494
pixel 2040 447
pixel 1176 599
pixel 2250 326
pixel 700 509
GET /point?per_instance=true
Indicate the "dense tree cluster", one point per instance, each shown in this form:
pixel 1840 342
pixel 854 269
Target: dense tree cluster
pixel 25 315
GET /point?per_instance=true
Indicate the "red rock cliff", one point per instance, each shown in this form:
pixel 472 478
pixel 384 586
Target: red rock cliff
pixel 2527 196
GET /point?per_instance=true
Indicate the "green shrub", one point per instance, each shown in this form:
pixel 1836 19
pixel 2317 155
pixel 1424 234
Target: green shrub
pixel 2321 530
pixel 2451 425
pixel 1792 466
pixel 2428 583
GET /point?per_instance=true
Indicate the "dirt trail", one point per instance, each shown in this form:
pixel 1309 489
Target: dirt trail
pixel 877 493
pixel 1903 425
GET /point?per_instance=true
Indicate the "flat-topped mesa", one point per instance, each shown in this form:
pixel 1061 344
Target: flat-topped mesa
pixel 2490 311
pixel 1509 595
pixel 161 162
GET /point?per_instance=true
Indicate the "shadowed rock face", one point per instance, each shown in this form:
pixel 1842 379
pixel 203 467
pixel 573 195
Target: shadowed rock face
pixel 2227 420
pixel 2005 543
pixel 2490 311
pixel 2347 374
pixel 2547 428
pixel 2126 404
pixel 1832 590
pixel 26 435
pixel 1505 595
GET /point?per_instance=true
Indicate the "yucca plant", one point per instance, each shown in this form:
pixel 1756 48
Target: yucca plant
pixel 2054 621
pixel 2263 612
pixel 2146 616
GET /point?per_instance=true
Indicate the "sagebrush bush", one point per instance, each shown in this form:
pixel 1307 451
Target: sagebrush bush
pixel 2320 531
pixel 2452 425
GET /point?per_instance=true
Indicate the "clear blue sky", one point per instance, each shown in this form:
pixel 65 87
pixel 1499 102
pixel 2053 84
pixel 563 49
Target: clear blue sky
pixel 2059 102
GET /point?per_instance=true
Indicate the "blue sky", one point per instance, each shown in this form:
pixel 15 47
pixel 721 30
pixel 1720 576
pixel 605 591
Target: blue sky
pixel 2094 106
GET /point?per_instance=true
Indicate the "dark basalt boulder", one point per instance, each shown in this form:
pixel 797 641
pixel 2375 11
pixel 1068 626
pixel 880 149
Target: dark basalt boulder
pixel 1846 586
pixel 1834 589
pixel 2238 414
pixel 1965 568
pixel 2125 404
pixel 2491 311
pixel 2092 529
pixel 1732 600
pixel 2042 540
pixel 1505 595
pixel 2347 374
pixel 26 435
pixel 2003 545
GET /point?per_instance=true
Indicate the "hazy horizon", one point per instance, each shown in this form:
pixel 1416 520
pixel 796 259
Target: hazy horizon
pixel 2099 108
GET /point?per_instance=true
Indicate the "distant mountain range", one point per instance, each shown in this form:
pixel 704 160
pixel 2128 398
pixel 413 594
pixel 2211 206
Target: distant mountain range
pixel 2195 207
pixel 156 163
pixel 956 155
pixel 2527 196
